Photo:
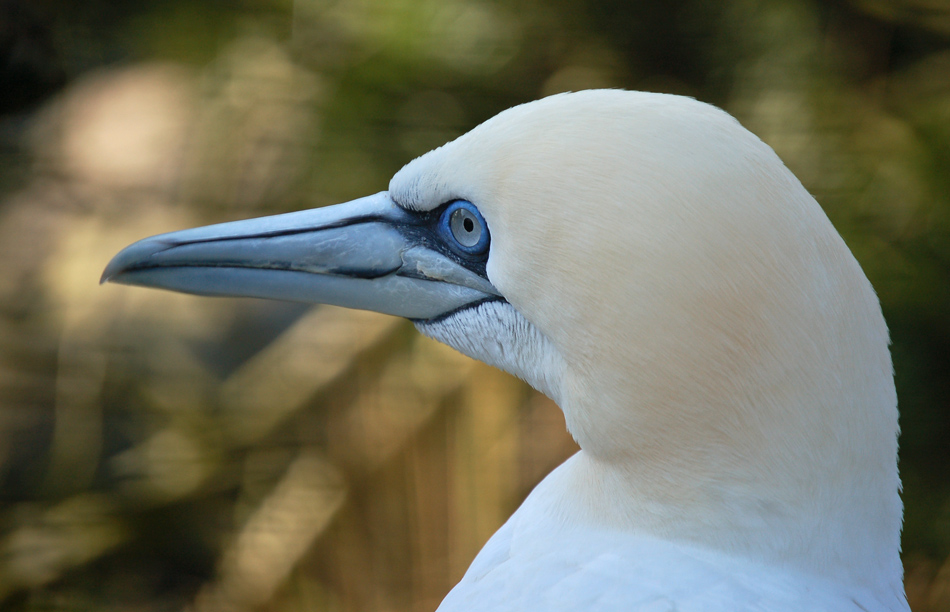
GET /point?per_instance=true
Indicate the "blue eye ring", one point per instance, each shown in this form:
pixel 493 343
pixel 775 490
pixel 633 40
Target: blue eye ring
pixel 464 228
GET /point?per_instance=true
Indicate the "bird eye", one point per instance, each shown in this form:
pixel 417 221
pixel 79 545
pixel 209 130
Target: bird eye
pixel 464 228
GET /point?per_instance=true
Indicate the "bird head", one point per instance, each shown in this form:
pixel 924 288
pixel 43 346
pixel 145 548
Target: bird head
pixel 640 258
pixel 647 263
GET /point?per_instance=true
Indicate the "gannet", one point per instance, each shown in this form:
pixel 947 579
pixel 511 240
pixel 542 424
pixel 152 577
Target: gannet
pixel 656 270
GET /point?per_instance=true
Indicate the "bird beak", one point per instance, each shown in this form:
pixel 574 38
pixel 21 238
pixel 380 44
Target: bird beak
pixel 368 254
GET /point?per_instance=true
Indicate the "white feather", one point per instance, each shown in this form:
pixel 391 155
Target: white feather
pixel 717 351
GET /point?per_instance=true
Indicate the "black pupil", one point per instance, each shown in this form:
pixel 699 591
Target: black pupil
pixel 468 224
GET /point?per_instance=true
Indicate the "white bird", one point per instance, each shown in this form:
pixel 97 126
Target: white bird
pixel 655 269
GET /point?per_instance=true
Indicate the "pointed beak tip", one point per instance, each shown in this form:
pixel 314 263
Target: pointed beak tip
pixel 107 276
pixel 131 256
pixel 109 272
pixel 116 266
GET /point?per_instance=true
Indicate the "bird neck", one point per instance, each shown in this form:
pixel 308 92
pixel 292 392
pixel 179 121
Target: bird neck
pixel 817 509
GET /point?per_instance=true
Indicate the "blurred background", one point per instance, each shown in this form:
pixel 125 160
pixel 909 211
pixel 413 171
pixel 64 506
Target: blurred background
pixel 165 452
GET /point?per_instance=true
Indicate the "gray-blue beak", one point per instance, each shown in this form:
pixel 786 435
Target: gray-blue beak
pixel 369 254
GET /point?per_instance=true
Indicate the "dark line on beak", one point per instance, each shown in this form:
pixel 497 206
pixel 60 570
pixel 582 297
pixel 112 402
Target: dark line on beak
pixel 288 232
pixel 455 311
pixel 363 273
